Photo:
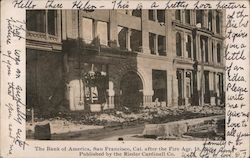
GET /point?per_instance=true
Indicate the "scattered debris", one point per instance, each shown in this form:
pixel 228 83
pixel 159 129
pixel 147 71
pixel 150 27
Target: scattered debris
pixel 80 120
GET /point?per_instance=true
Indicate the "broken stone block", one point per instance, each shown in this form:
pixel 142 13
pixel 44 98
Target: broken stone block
pixel 42 132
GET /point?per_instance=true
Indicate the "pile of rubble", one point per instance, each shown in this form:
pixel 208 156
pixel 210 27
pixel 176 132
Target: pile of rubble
pixel 150 115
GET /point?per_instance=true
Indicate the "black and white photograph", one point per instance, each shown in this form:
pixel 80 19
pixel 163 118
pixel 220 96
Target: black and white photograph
pixel 125 75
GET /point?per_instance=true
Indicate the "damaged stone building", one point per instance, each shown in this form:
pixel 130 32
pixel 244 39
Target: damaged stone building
pixel 106 59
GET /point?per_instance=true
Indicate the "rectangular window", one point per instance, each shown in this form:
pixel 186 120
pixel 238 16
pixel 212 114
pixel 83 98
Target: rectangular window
pixel 36 21
pixel 188 46
pixel 43 21
pixel 210 20
pixel 161 16
pixel 187 16
pixel 102 32
pixel 136 13
pixel 87 30
pixel 218 22
pixel 136 40
pixel 52 22
pixel 199 18
pixel 159 79
pixel 178 44
pixel 218 53
pixel 152 38
pixel 178 15
pixel 151 15
pixel 162 45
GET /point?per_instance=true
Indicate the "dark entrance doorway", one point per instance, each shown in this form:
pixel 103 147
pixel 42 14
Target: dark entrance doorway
pixel 131 91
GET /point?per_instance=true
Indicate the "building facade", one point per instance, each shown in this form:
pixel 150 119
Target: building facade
pixel 108 59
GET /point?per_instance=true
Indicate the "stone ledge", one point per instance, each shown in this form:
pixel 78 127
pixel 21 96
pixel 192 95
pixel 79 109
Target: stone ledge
pixel 178 128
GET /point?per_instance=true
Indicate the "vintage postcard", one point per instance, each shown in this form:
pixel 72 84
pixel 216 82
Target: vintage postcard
pixel 141 79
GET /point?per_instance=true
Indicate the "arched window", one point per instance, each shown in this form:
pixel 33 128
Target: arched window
pixel 178 44
pixel 217 22
pixel 187 16
pixel 218 53
pixel 178 15
pixel 210 20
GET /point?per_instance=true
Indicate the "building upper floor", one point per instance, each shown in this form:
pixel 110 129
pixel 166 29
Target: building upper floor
pixel 181 34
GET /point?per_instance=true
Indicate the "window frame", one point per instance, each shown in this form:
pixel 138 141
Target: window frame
pixel 46 22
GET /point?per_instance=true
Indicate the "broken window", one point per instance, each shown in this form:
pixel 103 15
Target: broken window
pixel 151 15
pixel 161 16
pixel 161 45
pixel 152 39
pixel 218 53
pixel 36 20
pixel 102 32
pixel 188 45
pixel 178 15
pixel 199 18
pixel 135 40
pixel 210 20
pixel 87 30
pixel 122 37
pixel 178 44
pixel 136 12
pixel 217 22
pixel 96 82
pixel 159 85
pixel 187 16
pixel 207 90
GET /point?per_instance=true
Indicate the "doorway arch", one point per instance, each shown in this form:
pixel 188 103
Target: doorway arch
pixel 131 87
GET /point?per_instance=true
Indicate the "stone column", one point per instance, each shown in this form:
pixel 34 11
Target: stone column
pixel 174 89
pixel 209 50
pixel 185 87
pixel 198 48
pixel 113 27
pixel 170 34
pixel 145 33
pixel 156 44
pixel 215 53
pixel 214 21
pixel 95 29
pixel 155 15
pixel 212 83
pixel 183 50
pixel 169 89
pixel 205 21
pixel 147 98
pixel 128 39
pixel 183 18
pixel 111 94
pixel 192 48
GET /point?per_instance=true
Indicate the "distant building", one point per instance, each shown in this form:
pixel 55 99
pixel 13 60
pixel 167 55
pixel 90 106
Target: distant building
pixel 109 59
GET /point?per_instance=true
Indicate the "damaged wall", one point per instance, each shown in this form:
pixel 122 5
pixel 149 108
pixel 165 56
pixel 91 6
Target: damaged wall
pixel 45 82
